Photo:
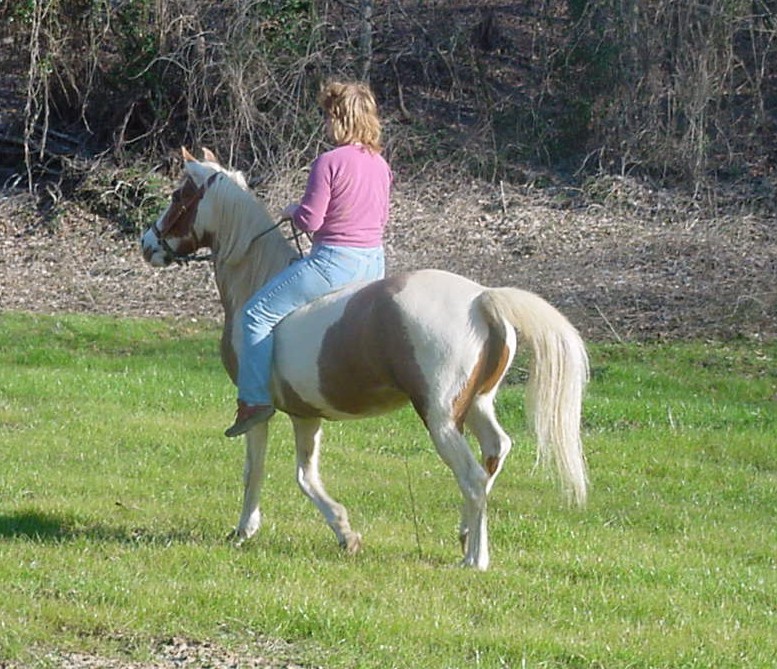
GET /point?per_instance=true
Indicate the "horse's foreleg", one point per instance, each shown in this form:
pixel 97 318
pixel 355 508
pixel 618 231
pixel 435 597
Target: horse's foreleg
pixel 307 434
pixel 494 442
pixel 472 480
pixel 253 477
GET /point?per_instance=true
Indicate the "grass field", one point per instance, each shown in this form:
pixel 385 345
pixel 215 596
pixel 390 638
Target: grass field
pixel 117 491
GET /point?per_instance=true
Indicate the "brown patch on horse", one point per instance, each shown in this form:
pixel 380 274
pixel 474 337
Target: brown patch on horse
pixel 499 354
pixel 487 372
pixel 180 217
pixel 183 209
pixel 367 362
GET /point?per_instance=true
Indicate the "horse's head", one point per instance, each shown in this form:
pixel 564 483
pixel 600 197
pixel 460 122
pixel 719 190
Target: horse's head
pixel 179 232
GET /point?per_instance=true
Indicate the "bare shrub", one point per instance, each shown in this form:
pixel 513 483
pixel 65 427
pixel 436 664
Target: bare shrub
pixel 681 90
pixel 687 82
pixel 142 76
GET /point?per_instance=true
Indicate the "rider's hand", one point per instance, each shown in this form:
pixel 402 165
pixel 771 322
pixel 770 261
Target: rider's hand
pixel 288 213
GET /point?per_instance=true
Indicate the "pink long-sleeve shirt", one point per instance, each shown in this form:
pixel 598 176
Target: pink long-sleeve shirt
pixel 346 202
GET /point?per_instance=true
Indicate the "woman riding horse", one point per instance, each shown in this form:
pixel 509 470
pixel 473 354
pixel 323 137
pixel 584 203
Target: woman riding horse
pixel 345 207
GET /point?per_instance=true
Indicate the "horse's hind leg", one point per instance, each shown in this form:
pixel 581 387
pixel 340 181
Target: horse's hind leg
pixel 472 480
pixel 494 442
pixel 253 477
pixel 307 435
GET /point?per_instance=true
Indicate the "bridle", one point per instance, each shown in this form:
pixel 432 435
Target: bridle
pixel 184 207
pixel 179 258
pixel 191 204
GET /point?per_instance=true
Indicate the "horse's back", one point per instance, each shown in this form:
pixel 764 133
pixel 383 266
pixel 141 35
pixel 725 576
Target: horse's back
pixel 367 349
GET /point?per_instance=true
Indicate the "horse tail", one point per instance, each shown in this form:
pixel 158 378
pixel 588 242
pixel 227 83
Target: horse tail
pixel 557 379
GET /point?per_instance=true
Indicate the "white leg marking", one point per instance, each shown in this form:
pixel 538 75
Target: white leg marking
pixel 307 434
pixel 253 477
pixel 472 480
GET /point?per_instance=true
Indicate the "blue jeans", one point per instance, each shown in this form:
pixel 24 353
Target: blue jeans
pixel 326 269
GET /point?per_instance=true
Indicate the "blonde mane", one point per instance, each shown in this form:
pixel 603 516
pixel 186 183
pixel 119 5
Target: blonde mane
pixel 235 215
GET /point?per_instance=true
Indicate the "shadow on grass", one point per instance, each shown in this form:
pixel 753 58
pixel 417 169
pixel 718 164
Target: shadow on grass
pixel 54 528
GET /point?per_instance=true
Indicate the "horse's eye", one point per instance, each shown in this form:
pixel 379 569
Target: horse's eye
pixel 176 195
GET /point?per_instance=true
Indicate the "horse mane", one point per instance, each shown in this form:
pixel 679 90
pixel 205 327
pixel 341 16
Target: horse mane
pixel 237 218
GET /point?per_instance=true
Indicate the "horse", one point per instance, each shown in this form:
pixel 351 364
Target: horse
pixel 432 338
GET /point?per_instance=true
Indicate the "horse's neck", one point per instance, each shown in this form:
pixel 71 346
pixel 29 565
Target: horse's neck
pixel 246 255
pixel 238 281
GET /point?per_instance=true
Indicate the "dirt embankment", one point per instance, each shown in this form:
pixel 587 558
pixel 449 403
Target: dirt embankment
pixel 620 260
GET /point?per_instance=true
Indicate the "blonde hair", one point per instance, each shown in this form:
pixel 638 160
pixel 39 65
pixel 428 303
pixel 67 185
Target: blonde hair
pixel 353 114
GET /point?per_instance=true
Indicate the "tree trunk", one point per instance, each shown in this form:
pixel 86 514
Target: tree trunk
pixel 365 39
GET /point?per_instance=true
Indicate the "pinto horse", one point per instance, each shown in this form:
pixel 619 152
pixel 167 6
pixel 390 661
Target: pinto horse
pixel 431 338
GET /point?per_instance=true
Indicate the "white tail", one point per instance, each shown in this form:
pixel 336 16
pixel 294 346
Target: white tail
pixel 557 379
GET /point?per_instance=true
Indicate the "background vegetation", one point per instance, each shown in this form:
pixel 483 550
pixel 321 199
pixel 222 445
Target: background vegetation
pixel 682 92
pixel 118 490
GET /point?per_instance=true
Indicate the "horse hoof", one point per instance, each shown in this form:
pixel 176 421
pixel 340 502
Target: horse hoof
pixel 352 544
pixel 236 538
pixel 472 563
pixel 247 528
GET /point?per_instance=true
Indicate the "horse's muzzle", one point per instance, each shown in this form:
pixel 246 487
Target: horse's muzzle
pixel 154 254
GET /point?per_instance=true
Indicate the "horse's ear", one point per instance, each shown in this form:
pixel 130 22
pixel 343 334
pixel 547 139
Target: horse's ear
pixel 187 157
pixel 209 156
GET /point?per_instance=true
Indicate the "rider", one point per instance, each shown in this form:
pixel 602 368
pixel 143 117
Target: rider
pixel 345 207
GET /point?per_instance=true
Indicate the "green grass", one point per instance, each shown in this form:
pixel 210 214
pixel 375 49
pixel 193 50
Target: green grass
pixel 117 490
